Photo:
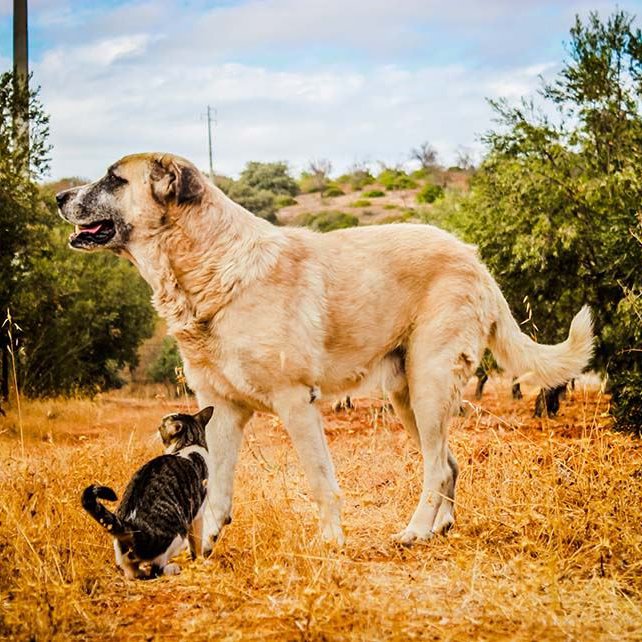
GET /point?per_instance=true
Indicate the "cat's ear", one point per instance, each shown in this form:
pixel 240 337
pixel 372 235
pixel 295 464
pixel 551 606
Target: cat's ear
pixel 202 418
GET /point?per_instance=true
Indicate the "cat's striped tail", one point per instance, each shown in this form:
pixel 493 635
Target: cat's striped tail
pixel 108 520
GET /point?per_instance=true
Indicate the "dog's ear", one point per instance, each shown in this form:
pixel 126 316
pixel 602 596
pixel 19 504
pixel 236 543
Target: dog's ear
pixel 203 417
pixel 175 181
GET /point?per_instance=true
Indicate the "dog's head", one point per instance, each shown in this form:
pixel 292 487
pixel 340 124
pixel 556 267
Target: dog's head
pixel 138 195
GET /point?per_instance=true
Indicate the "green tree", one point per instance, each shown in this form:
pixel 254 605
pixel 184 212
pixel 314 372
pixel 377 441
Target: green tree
pixel 78 319
pixel 260 202
pixel 271 177
pixel 164 368
pixel 556 204
pixel 21 214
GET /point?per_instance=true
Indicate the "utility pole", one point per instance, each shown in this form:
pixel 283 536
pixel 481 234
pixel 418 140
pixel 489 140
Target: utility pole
pixel 21 81
pixel 209 138
pixel 20 118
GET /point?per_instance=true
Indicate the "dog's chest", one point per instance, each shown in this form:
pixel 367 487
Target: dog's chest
pixel 225 365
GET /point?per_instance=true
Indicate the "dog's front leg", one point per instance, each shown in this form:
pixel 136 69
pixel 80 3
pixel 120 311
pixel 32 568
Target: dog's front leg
pixel 303 423
pixel 224 437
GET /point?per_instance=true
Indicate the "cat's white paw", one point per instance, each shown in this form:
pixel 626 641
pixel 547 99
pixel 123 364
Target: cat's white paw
pixel 172 569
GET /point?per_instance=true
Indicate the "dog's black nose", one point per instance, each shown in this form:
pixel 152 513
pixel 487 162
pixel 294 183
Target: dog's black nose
pixel 61 197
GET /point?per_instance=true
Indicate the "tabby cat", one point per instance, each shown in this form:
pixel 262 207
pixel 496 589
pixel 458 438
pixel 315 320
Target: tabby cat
pixel 163 503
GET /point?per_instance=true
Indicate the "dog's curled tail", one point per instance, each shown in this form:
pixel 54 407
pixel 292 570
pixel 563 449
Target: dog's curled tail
pixel 108 520
pixel 546 365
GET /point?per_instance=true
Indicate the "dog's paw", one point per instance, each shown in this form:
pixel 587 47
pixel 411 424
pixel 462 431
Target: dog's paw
pixel 443 525
pixel 408 537
pixel 332 535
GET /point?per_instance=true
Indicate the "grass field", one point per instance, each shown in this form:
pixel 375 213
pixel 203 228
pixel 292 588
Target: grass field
pixel 547 545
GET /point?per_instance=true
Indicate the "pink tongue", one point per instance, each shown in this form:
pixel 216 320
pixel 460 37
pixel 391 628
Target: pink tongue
pixel 91 230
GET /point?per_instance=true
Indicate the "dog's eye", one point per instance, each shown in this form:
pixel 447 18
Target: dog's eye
pixel 114 179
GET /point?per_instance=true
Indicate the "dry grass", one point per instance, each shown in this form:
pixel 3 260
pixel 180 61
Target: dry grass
pixel 548 543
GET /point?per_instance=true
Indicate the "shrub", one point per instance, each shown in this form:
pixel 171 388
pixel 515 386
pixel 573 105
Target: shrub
pixel 390 206
pixel 284 201
pixel 429 193
pixel 357 179
pixel 374 193
pixel 271 177
pixel 395 179
pixel 328 220
pixel 362 202
pixel 164 368
pixel 260 202
pixel 332 190
pixel 397 218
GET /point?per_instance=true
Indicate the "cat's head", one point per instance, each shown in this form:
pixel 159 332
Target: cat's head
pixel 180 430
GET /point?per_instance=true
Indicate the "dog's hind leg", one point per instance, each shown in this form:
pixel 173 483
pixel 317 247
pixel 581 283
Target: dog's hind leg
pixel 224 437
pixel 303 422
pixel 442 355
pixel 400 399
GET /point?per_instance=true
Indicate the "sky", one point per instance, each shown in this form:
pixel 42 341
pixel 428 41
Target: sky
pixel 352 81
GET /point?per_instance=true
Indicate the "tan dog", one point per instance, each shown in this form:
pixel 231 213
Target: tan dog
pixel 269 318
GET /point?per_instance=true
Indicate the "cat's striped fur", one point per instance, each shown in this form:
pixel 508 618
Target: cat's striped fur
pixel 162 504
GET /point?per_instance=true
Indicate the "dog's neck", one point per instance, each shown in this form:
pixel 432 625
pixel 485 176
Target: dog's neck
pixel 200 262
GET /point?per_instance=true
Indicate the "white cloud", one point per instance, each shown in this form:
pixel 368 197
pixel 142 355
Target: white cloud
pixel 100 112
pixel 343 80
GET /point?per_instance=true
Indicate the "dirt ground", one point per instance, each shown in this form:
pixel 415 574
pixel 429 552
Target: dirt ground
pixel 547 544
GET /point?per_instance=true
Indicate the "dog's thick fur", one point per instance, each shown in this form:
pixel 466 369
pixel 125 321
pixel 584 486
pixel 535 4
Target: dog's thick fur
pixel 271 318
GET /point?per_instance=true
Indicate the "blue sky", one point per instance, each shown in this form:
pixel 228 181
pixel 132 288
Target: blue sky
pixel 351 81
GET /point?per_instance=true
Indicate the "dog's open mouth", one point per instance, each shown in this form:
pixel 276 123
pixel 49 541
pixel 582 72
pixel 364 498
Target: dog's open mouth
pixel 97 233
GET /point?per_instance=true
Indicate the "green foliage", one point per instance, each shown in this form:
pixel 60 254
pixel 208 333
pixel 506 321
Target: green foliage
pixel 262 189
pixel 395 179
pixel 166 365
pixel 402 217
pixel 328 220
pixel 78 319
pixel 332 190
pixel 554 207
pixel 373 193
pixel 260 202
pixel 269 177
pixel 429 193
pixel 357 179
pixel 82 319
pixel 284 201
pixel 361 202
pixel 310 183
pixel 446 212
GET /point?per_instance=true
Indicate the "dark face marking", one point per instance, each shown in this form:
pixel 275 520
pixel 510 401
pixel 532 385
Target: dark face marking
pixel 94 210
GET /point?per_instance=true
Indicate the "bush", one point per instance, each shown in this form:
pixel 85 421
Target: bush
pixel 166 365
pixel 260 202
pixel 332 190
pixel 374 193
pixel 328 220
pixel 554 208
pixel 429 193
pixel 284 201
pixel 357 179
pixel 362 202
pixel 395 179
pixel 271 177
pixel 397 218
